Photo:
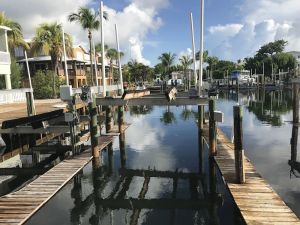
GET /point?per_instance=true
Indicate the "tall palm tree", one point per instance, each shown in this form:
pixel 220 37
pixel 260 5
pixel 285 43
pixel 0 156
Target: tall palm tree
pixel 205 55
pixel 98 47
pixel 15 36
pixel 167 59
pixel 185 61
pixel 88 21
pixel 48 40
pixel 112 55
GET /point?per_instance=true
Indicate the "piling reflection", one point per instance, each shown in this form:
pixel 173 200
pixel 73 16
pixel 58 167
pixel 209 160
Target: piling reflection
pixel 102 205
pixel 295 166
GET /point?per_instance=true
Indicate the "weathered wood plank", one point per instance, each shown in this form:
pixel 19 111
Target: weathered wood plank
pixel 256 200
pixel 18 207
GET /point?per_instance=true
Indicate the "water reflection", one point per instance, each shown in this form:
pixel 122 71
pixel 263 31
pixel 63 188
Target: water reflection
pixel 295 166
pixel 168 117
pixel 267 137
pixel 140 110
pixel 267 106
pixel 152 174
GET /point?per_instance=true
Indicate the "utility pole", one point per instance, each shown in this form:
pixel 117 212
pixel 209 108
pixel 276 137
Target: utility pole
pixel 65 56
pixel 193 48
pixel 201 47
pixel 102 50
pixel 119 59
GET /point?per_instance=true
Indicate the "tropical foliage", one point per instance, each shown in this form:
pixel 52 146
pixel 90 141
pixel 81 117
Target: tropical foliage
pixel 270 58
pixel 15 36
pixel 139 72
pixel 167 60
pixel 42 84
pixel 88 20
pixel 48 40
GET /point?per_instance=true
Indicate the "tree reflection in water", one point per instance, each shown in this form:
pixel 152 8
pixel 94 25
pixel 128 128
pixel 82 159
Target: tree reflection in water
pixel 168 117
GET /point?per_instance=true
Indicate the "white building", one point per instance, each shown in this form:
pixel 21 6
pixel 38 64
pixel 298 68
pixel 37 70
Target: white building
pixel 5 56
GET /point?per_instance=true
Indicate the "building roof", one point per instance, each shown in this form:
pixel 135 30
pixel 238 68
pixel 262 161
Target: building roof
pixel 48 58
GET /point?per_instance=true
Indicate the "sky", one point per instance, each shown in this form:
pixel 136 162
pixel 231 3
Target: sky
pixel 233 29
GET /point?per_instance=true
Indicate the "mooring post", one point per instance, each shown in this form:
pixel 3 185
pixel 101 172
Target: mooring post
pixel 30 104
pixel 122 149
pixel 108 119
pixel 94 127
pixel 212 128
pixel 200 117
pixel 120 118
pixel 238 144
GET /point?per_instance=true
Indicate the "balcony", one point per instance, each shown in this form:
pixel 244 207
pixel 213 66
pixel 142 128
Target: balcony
pixel 72 72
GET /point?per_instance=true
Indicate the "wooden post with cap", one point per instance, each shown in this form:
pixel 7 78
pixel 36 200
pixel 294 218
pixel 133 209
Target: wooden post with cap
pixel 238 144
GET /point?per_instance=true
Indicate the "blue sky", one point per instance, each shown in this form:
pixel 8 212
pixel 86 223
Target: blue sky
pixel 234 29
pixel 175 35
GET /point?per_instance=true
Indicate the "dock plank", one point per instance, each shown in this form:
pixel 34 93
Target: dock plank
pixel 256 200
pixel 19 206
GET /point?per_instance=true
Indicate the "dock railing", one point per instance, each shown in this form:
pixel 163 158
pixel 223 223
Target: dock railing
pixel 13 96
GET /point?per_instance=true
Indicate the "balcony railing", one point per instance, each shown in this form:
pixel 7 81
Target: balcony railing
pixel 72 72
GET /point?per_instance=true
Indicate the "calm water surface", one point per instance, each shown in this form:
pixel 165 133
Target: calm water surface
pixel 166 139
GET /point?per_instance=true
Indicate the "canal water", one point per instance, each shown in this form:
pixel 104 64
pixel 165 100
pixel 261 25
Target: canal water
pixel 158 173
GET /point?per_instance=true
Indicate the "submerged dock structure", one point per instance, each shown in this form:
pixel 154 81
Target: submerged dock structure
pixel 257 202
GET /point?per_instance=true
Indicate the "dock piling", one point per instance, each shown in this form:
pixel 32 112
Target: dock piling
pixel 108 120
pixel 94 128
pixel 200 117
pixel 238 144
pixel 212 128
pixel 30 104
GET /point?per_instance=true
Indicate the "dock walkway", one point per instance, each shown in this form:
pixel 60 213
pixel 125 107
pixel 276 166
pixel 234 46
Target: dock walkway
pixel 256 200
pixel 18 207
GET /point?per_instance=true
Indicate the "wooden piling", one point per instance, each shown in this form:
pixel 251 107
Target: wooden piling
pixel 294 139
pixel 30 104
pixel 94 128
pixel 200 117
pixel 122 149
pixel 120 118
pixel 238 144
pixel 212 128
pixel 108 120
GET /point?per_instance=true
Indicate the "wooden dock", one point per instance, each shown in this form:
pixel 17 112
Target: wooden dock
pixel 256 200
pixel 19 206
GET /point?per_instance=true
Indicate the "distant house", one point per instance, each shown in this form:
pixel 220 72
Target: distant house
pixel 5 56
pixel 78 67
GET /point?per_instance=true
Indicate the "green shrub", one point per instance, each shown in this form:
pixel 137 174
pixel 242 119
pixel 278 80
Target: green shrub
pixel 42 83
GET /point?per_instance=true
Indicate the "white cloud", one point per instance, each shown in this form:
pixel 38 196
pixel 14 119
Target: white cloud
pixel 262 21
pixel 228 29
pixel 135 21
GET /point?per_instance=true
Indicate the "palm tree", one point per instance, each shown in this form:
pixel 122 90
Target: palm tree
pixel 186 61
pixel 167 59
pixel 48 40
pixel 205 55
pixel 112 54
pixel 88 21
pixel 15 36
pixel 98 47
